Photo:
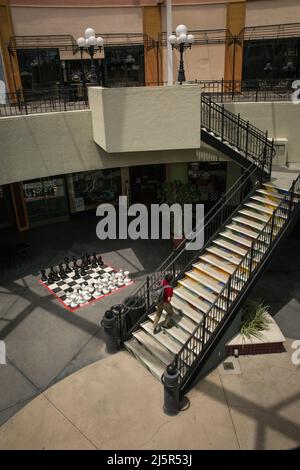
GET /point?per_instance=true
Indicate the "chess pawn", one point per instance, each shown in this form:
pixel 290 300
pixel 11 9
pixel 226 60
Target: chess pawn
pixel 67 268
pixel 77 275
pixel 126 278
pixel 87 296
pixel 91 289
pixel 98 291
pixel 105 290
pixel 62 272
pixel 75 263
pixel 44 277
pixel 100 262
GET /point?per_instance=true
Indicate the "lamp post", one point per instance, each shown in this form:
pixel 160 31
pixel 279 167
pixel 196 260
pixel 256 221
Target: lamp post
pixel 90 44
pixel 181 41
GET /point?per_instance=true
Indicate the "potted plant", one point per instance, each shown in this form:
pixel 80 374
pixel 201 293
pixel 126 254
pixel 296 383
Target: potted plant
pixel 177 192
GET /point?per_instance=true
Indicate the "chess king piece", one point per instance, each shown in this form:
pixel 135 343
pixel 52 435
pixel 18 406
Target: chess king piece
pixel 44 277
pixel 100 261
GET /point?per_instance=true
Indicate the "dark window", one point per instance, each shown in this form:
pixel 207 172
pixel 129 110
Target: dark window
pixel 271 59
pixel 39 69
pixel 124 65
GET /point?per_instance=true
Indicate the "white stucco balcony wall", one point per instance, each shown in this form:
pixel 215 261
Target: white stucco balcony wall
pixel 146 118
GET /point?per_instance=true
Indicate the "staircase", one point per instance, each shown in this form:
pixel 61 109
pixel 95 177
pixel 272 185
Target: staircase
pixel 235 137
pixel 208 293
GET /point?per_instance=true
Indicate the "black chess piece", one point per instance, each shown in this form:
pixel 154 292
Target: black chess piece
pixel 62 272
pixel 67 268
pixel 88 258
pixel 75 263
pixel 56 275
pixel 82 271
pixel 77 275
pixel 94 263
pixel 44 277
pixel 100 261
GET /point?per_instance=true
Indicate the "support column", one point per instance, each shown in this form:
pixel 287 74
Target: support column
pixel 19 205
pixel 10 62
pixel 236 12
pixel 153 55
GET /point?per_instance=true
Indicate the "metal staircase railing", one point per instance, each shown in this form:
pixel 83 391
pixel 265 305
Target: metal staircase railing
pixel 237 135
pixel 188 360
pixel 181 259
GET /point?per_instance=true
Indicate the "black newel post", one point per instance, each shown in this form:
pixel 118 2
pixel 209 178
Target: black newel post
pixel 170 380
pixel 110 324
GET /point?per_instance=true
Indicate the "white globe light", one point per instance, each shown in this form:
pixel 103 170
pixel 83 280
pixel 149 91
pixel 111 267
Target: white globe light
pixel 92 41
pixel 181 29
pixel 182 38
pixel 89 32
pixel 172 39
pixel 190 38
pixel 100 41
pixel 87 43
pixel 81 42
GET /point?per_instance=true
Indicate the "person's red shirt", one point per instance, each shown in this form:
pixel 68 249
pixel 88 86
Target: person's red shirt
pixel 168 291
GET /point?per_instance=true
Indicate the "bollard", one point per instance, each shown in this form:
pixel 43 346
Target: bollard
pixel 171 390
pixel 119 310
pixel 110 326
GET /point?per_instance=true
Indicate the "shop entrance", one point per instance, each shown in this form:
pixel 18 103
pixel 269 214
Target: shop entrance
pixel 145 183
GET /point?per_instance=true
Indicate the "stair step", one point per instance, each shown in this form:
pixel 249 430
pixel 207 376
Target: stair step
pixel 279 192
pixel 219 263
pixel 248 222
pixel 224 253
pixel 270 194
pixel 186 309
pixel 155 348
pixel 240 229
pixel 254 215
pixel 259 208
pixel 205 281
pixel 230 246
pixel 198 289
pixel 264 200
pixel 213 272
pixel 241 240
pixel 192 299
pixel 175 331
pixel 169 343
pixel 182 321
pixel 147 360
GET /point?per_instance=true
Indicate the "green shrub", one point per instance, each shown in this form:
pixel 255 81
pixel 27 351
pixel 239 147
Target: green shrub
pixel 254 318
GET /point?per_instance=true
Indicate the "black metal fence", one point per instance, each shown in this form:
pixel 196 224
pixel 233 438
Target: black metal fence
pixel 223 91
pixel 43 101
pixel 239 133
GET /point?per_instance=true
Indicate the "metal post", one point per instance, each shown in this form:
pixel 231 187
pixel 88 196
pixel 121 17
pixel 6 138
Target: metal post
pixel 93 70
pixel 222 129
pixel 148 291
pixel 291 199
pixel 181 74
pixel 272 227
pixel 222 89
pixel 157 61
pixel 247 136
pixel 233 66
pixel 209 113
pixel 228 293
pixel 170 380
pixel 238 131
pixel 251 258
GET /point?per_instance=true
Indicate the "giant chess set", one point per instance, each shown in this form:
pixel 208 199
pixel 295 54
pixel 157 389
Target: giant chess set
pixel 81 281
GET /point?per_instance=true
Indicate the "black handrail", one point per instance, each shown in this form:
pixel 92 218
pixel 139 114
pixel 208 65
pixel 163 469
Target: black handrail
pixel 252 143
pixel 189 356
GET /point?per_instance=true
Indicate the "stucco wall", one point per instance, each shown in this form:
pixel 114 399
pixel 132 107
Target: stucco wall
pixel 146 118
pixel 59 20
pixel 282 120
pixel 268 12
pixel 58 143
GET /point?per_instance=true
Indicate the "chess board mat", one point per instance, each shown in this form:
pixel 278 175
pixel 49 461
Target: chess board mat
pixel 60 288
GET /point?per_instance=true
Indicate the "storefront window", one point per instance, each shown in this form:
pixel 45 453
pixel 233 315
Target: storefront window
pixel 45 199
pixel 209 179
pixel 89 189
pixel 124 66
pixel 146 182
pixel 39 69
pixel 271 59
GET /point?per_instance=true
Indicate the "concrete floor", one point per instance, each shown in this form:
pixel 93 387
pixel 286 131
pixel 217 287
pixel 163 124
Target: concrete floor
pixel 255 407
pixel 45 342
